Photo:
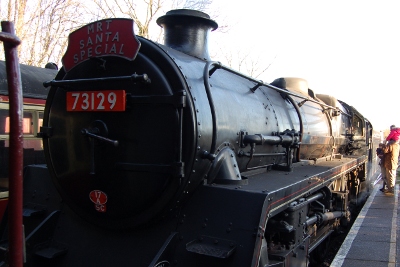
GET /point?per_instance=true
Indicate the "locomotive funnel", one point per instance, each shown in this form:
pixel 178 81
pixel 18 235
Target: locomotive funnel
pixel 187 31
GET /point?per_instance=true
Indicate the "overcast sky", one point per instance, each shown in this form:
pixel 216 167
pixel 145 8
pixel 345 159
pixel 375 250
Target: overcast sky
pixel 348 49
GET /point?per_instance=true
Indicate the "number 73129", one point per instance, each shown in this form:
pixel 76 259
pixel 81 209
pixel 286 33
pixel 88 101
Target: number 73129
pixel 107 100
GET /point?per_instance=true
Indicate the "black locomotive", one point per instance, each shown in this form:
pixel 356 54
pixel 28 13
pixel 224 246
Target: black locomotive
pixel 158 156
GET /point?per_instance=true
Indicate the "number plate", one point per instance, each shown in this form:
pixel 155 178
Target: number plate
pixel 107 100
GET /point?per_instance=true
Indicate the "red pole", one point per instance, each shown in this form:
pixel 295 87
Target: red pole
pixel 16 248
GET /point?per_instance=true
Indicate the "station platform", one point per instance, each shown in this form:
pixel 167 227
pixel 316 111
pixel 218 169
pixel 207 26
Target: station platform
pixel 373 240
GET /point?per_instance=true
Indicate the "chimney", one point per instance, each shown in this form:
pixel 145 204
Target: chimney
pixel 187 31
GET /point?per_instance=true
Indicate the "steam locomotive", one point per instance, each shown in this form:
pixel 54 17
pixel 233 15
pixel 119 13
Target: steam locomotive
pixel 158 156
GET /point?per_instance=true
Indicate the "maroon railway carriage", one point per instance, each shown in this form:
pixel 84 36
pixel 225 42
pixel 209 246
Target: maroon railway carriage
pixel 34 97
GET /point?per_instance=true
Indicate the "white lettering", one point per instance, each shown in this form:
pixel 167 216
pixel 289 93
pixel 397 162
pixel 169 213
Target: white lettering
pixel 90 28
pixel 120 49
pixel 113 49
pixel 97 50
pixel 101 96
pixel 89 54
pixel 108 36
pixel 100 208
pixel 89 41
pixel 99 38
pixel 76 96
pixel 101 49
pixel 108 22
pixel 116 37
pixel 99 28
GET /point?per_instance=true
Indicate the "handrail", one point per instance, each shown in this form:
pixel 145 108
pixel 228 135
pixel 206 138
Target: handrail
pixel 218 65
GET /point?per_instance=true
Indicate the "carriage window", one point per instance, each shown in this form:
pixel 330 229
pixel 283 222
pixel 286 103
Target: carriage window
pixel 32 145
pixel 32 120
pixel 27 124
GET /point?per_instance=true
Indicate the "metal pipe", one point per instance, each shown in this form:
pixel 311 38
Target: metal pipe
pixel 323 217
pixel 262 154
pixel 260 139
pixel 16 252
pixel 306 202
pixel 280 90
pixel 134 77
pixel 206 78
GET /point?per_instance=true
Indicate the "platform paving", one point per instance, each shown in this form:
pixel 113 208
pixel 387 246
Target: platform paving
pixel 373 240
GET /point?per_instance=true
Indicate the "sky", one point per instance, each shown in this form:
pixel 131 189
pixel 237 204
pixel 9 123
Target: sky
pixel 347 49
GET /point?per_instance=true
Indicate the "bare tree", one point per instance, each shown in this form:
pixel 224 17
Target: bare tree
pixel 143 12
pixel 43 27
pixel 244 61
pixel 255 68
pixel 127 8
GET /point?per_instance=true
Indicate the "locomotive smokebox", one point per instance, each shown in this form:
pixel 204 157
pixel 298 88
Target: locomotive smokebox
pixel 187 31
